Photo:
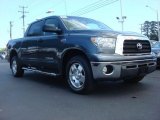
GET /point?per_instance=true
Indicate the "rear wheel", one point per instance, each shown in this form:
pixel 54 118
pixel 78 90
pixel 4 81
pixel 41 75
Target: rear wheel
pixel 16 68
pixel 79 75
pixel 134 80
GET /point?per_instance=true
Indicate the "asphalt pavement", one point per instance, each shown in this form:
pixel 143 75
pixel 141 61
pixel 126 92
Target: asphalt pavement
pixel 41 97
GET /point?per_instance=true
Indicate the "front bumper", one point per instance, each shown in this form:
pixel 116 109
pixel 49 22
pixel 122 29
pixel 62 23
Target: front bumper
pixel 122 69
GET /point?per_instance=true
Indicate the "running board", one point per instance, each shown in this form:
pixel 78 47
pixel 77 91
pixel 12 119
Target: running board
pixel 35 70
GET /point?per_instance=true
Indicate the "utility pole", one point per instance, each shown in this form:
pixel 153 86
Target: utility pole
pixel 11 25
pixel 23 16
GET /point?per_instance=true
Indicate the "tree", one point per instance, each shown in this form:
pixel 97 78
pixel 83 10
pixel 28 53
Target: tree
pixel 2 49
pixel 153 31
pixel 149 29
pixel 145 28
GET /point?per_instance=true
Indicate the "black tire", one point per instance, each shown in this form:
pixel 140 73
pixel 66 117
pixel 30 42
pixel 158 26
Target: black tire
pixel 16 68
pixel 81 81
pixel 134 80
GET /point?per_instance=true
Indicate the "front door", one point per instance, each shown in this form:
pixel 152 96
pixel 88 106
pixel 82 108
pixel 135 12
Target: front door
pixel 48 48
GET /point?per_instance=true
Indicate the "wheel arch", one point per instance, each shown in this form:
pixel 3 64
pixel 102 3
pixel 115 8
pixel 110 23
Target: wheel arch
pixel 69 54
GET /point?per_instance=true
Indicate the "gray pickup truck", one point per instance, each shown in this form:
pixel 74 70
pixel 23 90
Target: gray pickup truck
pixel 82 50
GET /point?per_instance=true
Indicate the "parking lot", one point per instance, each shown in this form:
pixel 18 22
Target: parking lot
pixel 41 97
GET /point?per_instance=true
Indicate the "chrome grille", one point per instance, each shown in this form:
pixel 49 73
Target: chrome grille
pixel 132 46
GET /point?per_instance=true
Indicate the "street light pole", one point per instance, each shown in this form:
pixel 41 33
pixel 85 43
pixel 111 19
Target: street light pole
pixel 65 2
pixel 11 25
pixel 122 18
pixel 158 29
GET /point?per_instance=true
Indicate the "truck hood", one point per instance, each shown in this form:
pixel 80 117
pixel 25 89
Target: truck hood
pixel 103 33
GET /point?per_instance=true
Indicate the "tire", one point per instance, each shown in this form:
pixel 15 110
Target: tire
pixel 79 75
pixel 133 80
pixel 16 68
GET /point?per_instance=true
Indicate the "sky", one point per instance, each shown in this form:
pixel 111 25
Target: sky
pixel 135 11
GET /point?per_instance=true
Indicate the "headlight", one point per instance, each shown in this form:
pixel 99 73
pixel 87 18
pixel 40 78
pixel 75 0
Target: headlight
pixel 104 42
pixel 158 54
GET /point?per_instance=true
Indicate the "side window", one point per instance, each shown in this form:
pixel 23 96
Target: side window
pixel 52 21
pixel 36 29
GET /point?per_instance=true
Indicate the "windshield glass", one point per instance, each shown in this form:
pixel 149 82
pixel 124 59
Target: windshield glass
pixel 79 23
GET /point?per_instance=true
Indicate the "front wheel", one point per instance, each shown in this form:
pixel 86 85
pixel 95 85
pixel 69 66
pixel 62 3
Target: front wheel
pixel 16 68
pixel 134 79
pixel 79 75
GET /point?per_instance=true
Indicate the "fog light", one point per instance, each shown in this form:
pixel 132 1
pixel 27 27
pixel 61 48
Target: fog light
pixel 105 70
pixel 108 69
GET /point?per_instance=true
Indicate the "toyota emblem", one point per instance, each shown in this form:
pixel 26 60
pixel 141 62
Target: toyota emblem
pixel 139 46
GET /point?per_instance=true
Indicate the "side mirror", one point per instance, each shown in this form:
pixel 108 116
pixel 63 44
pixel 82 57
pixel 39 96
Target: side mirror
pixel 51 28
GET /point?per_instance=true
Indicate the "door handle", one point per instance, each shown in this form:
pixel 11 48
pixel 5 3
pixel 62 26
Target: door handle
pixel 63 40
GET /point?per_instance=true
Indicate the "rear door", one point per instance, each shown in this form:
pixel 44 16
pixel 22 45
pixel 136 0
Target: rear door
pixel 29 49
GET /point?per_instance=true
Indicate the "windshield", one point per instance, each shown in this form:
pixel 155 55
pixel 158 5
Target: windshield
pixel 79 23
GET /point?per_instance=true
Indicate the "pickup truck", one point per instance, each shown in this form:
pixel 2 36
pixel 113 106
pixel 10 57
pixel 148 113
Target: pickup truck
pixel 81 50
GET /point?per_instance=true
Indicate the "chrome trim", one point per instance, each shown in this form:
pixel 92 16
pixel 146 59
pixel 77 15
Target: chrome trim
pixel 137 54
pixel 122 69
pixel 126 61
pixel 121 39
pixel 109 73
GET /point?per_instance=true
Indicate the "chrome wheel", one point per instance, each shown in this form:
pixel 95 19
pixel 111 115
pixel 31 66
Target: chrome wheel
pixel 77 75
pixel 14 66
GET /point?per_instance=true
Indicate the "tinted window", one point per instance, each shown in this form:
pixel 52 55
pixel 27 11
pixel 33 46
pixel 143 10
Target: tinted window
pixel 52 21
pixel 36 29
